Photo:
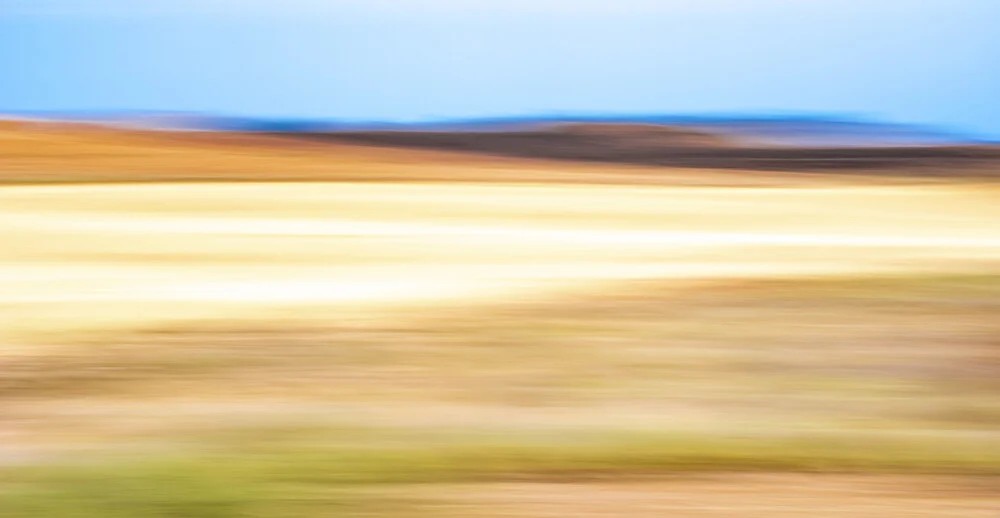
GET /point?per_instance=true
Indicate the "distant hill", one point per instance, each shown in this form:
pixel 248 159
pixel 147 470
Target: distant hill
pixel 676 146
pixel 787 143
pixel 804 131
pixel 626 143
pixel 37 151
pixel 42 150
pixel 788 131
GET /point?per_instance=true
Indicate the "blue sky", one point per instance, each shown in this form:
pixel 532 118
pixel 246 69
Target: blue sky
pixel 922 61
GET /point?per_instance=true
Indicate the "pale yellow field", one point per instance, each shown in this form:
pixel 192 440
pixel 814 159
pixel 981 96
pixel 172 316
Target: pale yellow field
pixel 111 255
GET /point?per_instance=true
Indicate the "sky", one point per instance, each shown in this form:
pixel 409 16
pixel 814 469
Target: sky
pixel 933 62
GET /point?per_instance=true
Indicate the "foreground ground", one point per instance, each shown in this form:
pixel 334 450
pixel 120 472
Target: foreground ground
pixel 252 350
pixel 728 496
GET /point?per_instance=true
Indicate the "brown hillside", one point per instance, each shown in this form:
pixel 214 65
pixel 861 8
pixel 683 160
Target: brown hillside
pixel 31 152
pixel 51 153
pixel 643 135
pixel 654 145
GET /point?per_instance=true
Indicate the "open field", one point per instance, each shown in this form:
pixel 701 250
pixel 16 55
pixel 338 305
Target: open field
pixel 479 347
pixel 221 250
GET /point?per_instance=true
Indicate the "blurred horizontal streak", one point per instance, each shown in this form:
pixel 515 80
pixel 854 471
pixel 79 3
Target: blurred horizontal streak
pixel 473 234
pixel 94 255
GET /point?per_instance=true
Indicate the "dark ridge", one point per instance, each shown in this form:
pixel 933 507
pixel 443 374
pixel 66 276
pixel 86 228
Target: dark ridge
pixel 646 144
